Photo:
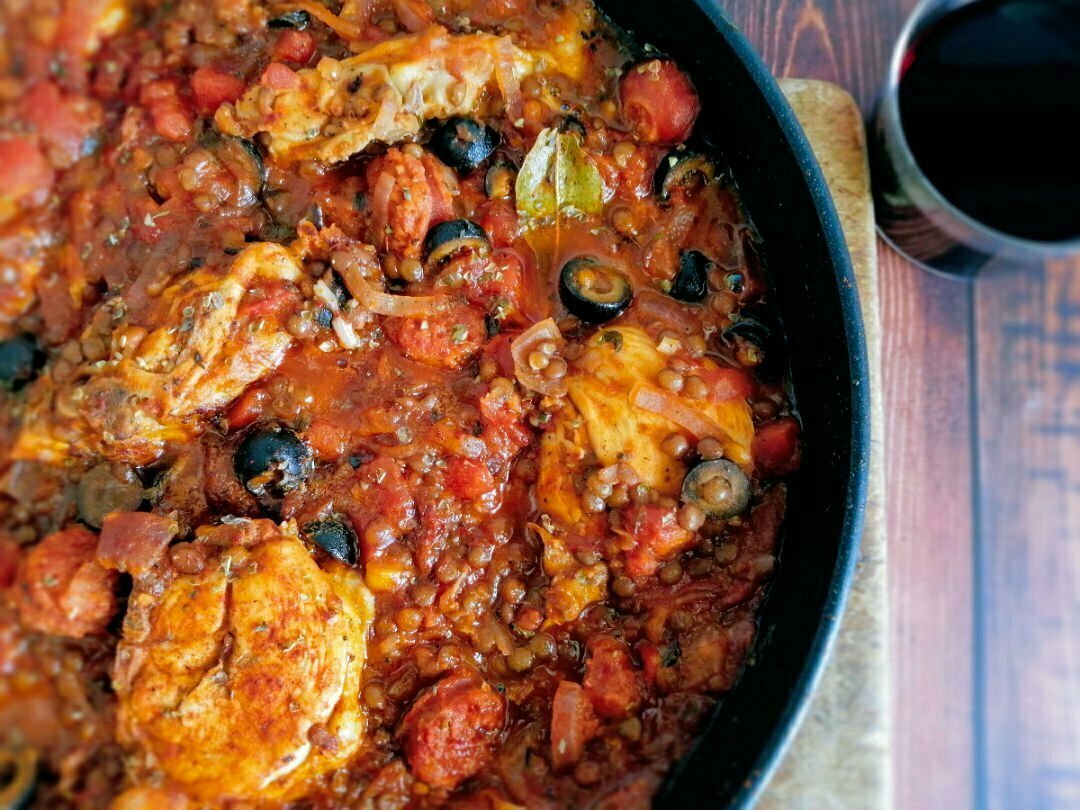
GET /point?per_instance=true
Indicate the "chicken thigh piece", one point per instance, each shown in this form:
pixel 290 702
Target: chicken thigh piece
pixel 242 681
pixel 385 94
pixel 198 348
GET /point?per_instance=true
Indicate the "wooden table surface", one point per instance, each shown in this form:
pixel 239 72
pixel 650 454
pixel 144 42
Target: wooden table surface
pixel 982 411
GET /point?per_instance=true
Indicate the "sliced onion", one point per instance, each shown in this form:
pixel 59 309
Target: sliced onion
pixel 523 345
pixel 344 330
pixel 356 12
pixel 399 306
pixel 415 18
pixel 326 295
pixel 382 190
pixel 666 404
pixel 653 308
pixel 346 335
pixel 507 78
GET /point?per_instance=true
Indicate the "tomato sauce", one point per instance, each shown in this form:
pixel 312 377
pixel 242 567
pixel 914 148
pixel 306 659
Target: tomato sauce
pixel 391 412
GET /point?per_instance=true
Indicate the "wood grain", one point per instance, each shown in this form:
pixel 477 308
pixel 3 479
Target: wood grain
pixel 928 476
pixel 1028 326
pixel 927 391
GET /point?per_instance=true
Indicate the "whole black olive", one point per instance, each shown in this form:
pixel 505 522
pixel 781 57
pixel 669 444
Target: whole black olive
pixel 271 461
pixel 20 360
pixel 18 776
pixel 463 144
pixel 593 291
pixel 104 489
pixel 719 488
pixel 334 536
pixel 757 344
pixel 681 169
pixel 692 281
pixel 447 239
pixel 290 19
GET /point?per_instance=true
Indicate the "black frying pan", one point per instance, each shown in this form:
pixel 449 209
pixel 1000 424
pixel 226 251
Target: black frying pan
pixel 749 122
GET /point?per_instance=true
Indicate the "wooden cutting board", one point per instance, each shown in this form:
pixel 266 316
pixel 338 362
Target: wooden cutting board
pixel 840 755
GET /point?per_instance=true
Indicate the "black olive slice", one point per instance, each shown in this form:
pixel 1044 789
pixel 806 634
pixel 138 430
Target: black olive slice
pixel 692 281
pixel 682 169
pixel 20 360
pixel 18 776
pixel 271 461
pixel 463 144
pixel 572 124
pixel 334 536
pixel 291 19
pixel 243 159
pixel 719 488
pixel 757 344
pixel 593 291
pixel 447 239
pixel 499 180
pixel 254 172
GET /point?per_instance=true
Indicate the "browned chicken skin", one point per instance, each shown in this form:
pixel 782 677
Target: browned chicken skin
pixel 243 680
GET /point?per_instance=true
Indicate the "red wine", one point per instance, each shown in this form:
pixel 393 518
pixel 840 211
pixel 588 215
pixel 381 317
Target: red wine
pixel 990 106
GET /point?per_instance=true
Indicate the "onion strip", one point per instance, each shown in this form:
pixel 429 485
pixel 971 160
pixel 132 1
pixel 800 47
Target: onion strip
pixel 653 308
pixel 398 306
pixel 523 345
pixel 671 407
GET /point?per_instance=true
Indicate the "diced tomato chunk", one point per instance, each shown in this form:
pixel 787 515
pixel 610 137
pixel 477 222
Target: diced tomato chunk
pixel 572 724
pixel 25 174
pixel 61 589
pixel 505 431
pixel 168 112
pixel 326 440
pixel 499 219
pixel 134 541
pixel 212 88
pixel 64 121
pixel 276 300
pixel 294 46
pixel 470 480
pixel 776 448
pixel 385 499
pixel 452 729
pixel 658 536
pixel 728 383
pixel 658 102
pixel 279 77
pixel 248 408
pixel 610 681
